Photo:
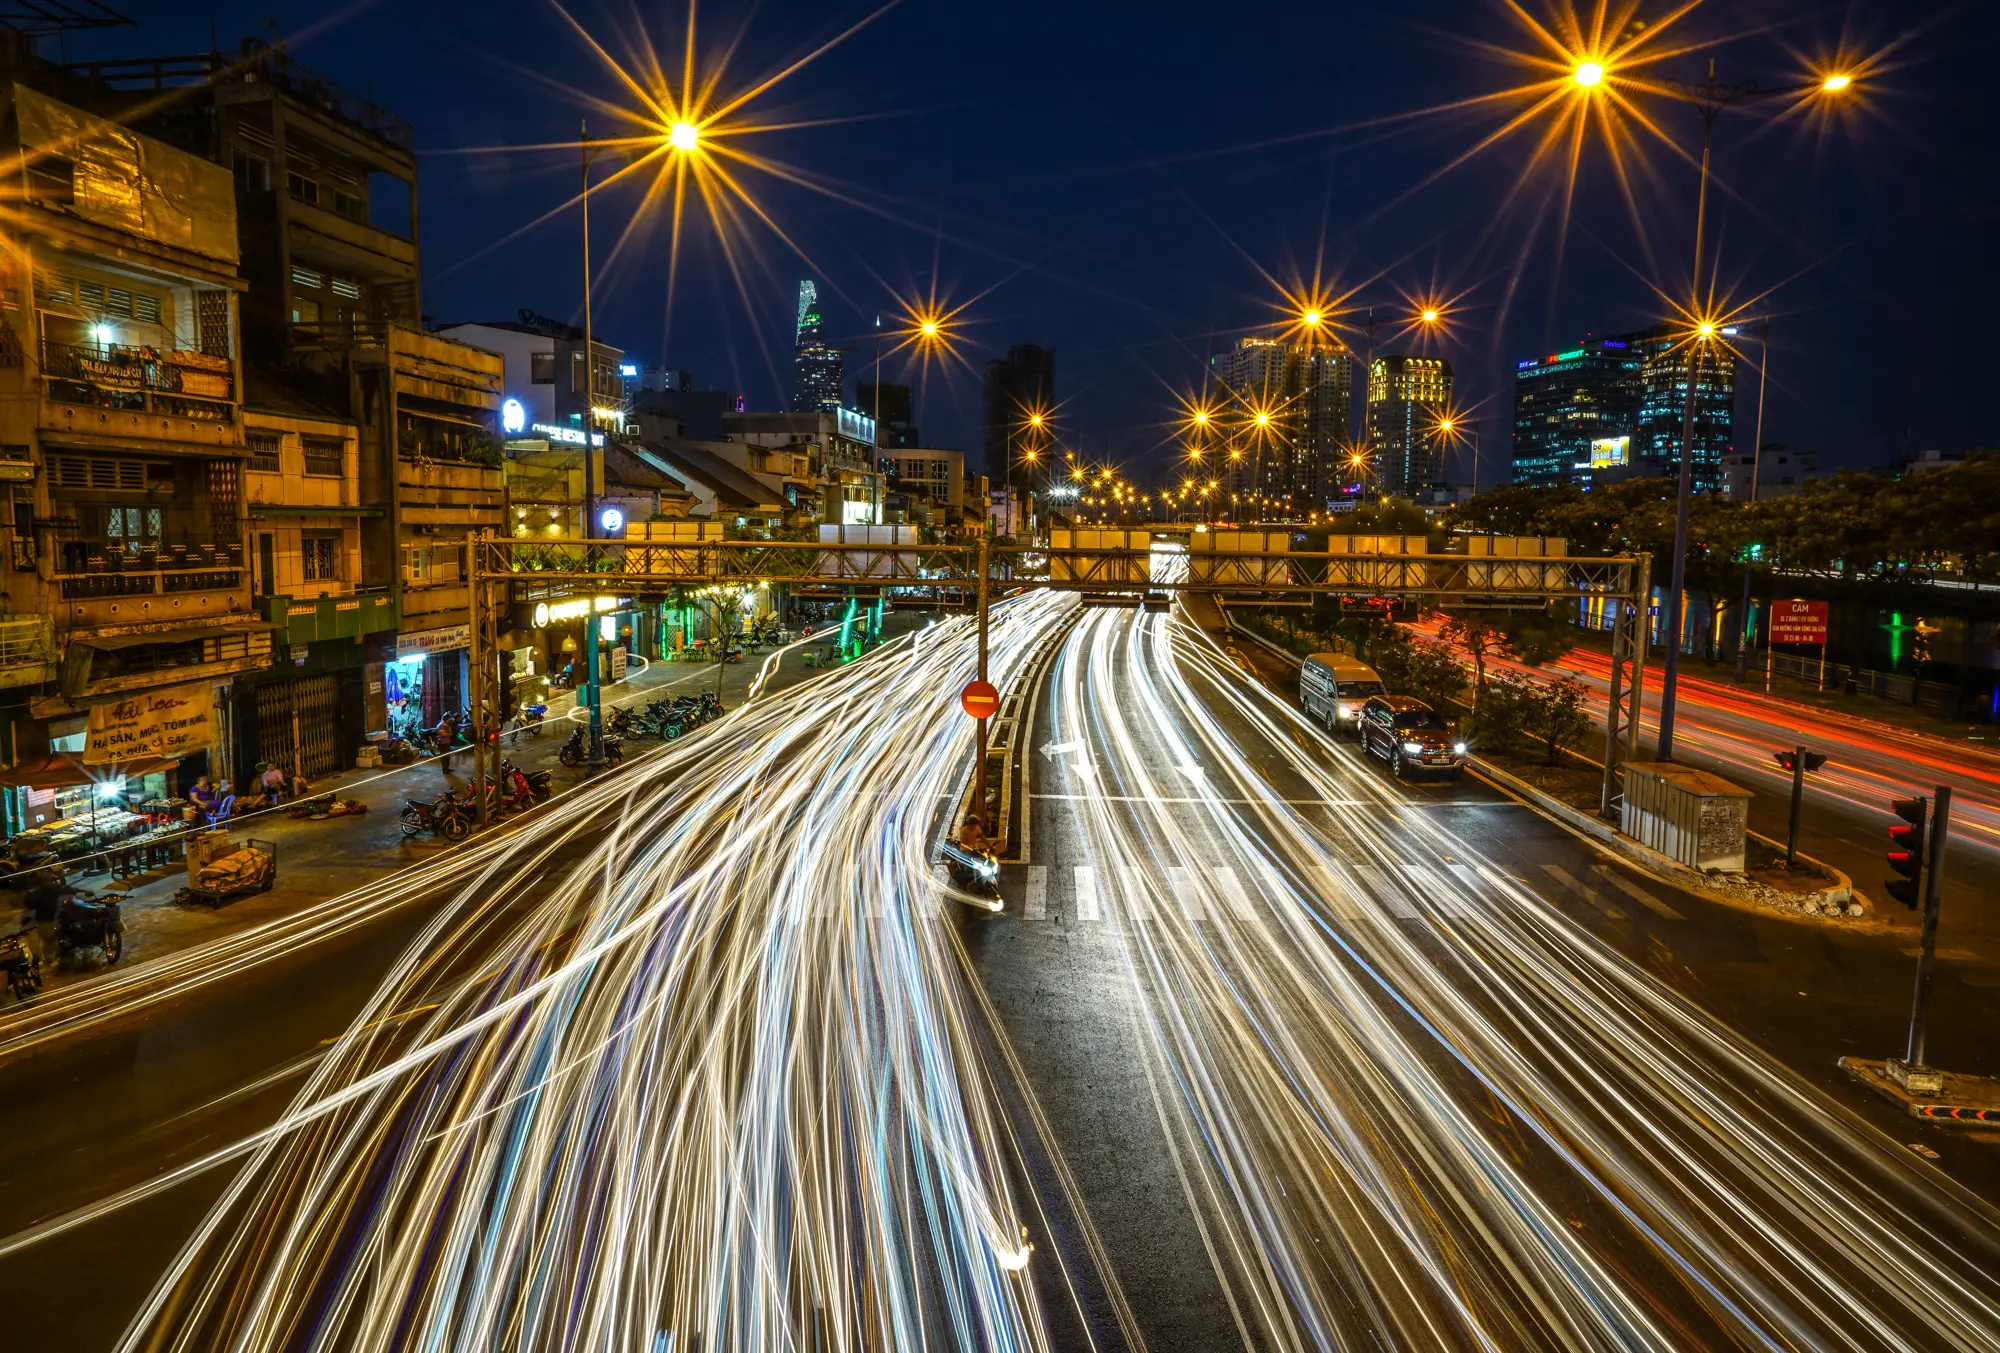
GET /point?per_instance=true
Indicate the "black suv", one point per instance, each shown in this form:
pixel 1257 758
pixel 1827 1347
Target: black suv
pixel 1410 736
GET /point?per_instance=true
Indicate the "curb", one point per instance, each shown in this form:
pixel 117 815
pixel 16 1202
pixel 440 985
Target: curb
pixel 1976 1103
pixel 1651 862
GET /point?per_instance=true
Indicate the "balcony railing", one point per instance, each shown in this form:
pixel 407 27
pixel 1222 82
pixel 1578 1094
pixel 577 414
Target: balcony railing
pixel 112 375
pixel 27 640
pixel 82 586
pixel 257 63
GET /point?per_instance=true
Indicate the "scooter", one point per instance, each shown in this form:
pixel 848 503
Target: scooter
pixel 974 873
pixel 85 923
pixel 444 815
pixel 23 970
pixel 529 721
pixel 529 785
pixel 575 751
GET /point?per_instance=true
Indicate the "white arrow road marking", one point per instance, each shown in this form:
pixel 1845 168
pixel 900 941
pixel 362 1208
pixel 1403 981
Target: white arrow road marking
pixel 1055 749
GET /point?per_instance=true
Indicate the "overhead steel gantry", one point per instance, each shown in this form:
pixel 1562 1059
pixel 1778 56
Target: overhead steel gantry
pixel 504 570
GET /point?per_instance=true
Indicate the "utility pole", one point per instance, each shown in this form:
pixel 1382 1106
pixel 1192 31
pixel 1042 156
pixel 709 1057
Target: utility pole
pixel 593 693
pixel 1756 472
pixel 979 766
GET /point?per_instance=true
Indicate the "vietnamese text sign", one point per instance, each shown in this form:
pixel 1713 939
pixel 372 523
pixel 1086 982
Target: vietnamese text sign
pixel 1798 622
pixel 174 722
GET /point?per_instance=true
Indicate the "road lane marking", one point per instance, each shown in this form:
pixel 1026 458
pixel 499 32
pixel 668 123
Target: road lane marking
pixel 1638 894
pixel 1182 882
pixel 1387 890
pixel 1035 895
pixel 1335 892
pixel 1086 893
pixel 1137 898
pixel 1583 890
pixel 1232 892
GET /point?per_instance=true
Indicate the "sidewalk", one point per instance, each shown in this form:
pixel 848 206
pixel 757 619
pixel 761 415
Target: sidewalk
pixel 317 860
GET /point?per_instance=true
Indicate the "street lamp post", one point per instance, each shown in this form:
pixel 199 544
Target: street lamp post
pixel 1709 99
pixel 1756 472
pixel 593 692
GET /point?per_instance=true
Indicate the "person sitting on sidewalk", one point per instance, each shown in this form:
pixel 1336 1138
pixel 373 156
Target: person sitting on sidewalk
pixel 272 783
pixel 204 796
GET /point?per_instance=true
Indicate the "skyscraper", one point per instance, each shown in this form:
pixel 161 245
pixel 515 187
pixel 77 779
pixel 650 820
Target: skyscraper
pixel 889 405
pixel 1571 410
pixel 1293 458
pixel 817 377
pixel 1406 395
pixel 1017 385
pixel 1665 356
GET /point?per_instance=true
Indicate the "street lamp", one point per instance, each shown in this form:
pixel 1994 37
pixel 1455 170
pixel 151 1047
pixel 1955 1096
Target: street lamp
pixel 1709 98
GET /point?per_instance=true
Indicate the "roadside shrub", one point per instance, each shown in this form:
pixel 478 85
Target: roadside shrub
pixel 1558 717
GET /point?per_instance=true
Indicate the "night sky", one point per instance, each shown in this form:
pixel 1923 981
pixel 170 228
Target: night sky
pixel 1124 181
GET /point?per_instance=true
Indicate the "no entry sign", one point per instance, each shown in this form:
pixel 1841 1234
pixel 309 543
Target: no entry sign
pixel 979 699
pixel 1798 622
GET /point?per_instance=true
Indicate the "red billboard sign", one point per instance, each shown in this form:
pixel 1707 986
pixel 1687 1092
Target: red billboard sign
pixel 1798 622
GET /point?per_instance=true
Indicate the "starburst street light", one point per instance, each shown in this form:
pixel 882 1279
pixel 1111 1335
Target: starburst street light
pixel 1833 84
pixel 684 136
pixel 1588 73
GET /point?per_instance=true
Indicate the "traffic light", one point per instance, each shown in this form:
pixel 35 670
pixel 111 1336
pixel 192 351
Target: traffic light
pixel 1788 760
pixel 1907 859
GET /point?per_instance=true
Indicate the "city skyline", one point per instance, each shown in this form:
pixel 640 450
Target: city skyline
pixel 1040 286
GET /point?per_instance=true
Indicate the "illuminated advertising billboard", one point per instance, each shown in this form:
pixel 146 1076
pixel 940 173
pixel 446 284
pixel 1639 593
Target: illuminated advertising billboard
pixel 1605 451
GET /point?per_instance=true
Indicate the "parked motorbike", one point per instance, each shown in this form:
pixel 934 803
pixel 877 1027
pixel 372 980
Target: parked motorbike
pixel 528 720
pixel 23 970
pixel 84 922
pixel 575 751
pixel 531 784
pixel 443 815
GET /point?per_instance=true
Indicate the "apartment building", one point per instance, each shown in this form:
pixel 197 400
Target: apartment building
pixel 325 184
pixel 128 616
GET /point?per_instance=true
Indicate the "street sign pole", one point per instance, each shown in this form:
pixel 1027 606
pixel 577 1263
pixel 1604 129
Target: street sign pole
pixel 1798 799
pixel 1927 952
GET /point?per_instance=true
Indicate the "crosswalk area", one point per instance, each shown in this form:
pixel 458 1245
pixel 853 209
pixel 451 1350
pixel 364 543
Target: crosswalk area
pixel 1086 895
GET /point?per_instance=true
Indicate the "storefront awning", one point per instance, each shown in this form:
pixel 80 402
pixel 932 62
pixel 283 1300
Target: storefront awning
pixel 60 770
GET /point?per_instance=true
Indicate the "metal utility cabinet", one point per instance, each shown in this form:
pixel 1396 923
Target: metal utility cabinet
pixel 1699 819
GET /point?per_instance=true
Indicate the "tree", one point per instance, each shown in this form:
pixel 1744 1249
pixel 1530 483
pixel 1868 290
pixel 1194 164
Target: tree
pixel 1481 638
pixel 1424 670
pixel 1539 638
pixel 1557 715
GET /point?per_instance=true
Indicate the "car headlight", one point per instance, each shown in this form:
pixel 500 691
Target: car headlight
pixel 1458 749
pixel 1346 711
pixel 1414 748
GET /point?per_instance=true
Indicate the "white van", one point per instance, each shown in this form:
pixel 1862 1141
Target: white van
pixel 1332 689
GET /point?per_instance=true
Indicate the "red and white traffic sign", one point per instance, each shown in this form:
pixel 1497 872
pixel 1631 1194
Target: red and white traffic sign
pixel 979 699
pixel 1799 622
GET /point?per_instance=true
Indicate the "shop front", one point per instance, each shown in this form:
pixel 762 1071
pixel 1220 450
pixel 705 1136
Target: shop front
pixel 322 699
pixel 100 780
pixel 427 678
pixel 553 656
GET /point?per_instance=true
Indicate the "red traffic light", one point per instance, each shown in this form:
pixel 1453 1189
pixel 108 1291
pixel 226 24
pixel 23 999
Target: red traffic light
pixel 1907 859
pixel 1814 760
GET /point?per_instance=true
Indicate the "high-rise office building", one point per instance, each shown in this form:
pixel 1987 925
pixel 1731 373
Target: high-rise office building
pixel 1406 396
pixel 1017 386
pixel 1575 411
pixel 1294 458
pixel 1665 356
pixel 817 377
pixel 890 407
